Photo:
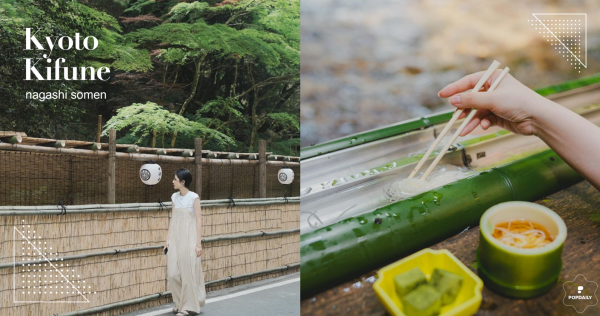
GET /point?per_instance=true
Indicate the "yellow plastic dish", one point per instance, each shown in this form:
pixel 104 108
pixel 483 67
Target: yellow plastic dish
pixel 468 300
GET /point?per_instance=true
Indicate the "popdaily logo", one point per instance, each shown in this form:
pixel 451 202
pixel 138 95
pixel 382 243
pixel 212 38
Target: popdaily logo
pixel 580 297
pixel 63 43
pixel 580 293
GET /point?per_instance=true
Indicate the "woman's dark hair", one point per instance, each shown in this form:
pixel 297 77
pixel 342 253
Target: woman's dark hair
pixel 184 175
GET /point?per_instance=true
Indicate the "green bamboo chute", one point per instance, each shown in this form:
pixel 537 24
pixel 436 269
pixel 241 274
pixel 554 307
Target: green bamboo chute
pixel 421 123
pixel 376 134
pixel 346 249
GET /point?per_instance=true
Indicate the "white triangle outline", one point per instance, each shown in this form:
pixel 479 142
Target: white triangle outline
pixel 585 51
pixel 41 254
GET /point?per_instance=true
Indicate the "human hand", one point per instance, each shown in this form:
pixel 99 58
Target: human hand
pixel 167 244
pixel 511 106
pixel 198 250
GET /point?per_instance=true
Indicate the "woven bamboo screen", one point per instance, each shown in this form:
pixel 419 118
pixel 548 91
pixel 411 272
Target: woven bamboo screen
pixel 28 178
pixel 122 276
pixel 42 179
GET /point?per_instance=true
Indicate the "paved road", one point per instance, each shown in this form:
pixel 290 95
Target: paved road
pixel 277 296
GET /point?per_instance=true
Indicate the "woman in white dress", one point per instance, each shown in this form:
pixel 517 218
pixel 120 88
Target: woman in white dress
pixel 184 248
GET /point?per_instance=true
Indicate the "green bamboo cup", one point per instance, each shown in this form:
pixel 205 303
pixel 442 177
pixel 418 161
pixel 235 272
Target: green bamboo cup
pixel 517 272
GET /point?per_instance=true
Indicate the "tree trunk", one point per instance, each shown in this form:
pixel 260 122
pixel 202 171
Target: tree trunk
pixel 252 136
pixel 254 121
pixel 154 139
pixel 189 99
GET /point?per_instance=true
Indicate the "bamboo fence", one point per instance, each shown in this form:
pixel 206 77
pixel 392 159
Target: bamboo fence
pixel 113 253
pixel 39 173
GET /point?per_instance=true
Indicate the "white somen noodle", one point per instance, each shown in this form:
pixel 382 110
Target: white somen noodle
pixel 404 188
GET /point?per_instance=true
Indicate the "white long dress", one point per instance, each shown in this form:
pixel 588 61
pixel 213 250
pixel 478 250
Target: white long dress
pixel 184 269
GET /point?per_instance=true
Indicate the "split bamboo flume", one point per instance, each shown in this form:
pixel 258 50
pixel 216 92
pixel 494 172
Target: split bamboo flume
pixel 423 122
pixel 357 245
pixel 373 135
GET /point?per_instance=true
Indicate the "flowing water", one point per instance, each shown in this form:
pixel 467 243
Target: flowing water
pixel 374 194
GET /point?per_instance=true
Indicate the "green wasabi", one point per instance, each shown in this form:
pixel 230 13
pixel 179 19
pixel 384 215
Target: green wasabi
pixel 408 281
pixel 447 283
pixel 425 300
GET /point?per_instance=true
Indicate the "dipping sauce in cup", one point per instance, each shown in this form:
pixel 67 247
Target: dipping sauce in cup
pixel 520 248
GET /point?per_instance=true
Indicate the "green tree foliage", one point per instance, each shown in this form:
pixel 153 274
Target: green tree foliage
pixel 151 120
pixel 258 39
pixel 54 18
pixel 229 69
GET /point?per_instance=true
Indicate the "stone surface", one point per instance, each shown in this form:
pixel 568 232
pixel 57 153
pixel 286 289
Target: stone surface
pixel 367 64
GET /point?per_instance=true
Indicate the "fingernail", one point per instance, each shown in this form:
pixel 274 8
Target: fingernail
pixel 455 99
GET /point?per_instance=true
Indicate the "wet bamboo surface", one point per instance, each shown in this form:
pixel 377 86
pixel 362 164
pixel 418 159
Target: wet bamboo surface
pixel 581 255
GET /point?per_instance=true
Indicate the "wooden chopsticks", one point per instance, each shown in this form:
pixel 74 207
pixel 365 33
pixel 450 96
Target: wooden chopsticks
pixel 455 116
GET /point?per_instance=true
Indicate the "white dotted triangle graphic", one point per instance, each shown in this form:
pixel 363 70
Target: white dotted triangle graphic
pixel 39 275
pixel 567 33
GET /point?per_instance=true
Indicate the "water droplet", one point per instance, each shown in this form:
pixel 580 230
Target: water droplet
pixel 437 198
pixel 358 233
pixel 318 245
pixel 411 218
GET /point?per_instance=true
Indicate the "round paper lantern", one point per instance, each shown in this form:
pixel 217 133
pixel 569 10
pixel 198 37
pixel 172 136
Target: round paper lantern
pixel 150 173
pixel 285 175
